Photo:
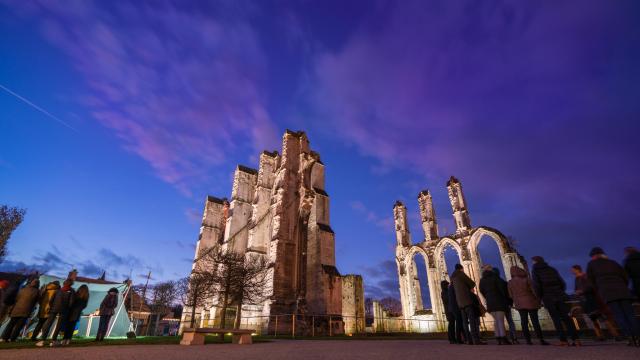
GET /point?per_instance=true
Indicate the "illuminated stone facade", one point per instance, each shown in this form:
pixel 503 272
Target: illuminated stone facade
pixel 281 212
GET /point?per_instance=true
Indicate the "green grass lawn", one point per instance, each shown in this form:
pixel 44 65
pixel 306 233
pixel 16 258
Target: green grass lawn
pixel 142 340
pixel 214 339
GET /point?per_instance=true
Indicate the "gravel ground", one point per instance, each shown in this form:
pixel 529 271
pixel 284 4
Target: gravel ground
pixel 329 349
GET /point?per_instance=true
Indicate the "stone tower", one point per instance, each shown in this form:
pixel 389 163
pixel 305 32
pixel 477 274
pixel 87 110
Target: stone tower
pixel 281 212
pixel 458 205
pixel 403 236
pixel 214 221
pixel 428 216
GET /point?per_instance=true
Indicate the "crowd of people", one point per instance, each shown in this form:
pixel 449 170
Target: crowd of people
pixel 603 291
pixel 53 308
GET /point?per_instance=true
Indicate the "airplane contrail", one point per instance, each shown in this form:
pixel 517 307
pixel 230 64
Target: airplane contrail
pixel 26 101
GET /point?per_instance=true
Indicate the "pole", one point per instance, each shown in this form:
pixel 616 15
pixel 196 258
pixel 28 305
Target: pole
pixel 276 329
pixel 144 293
pixel 313 325
pixel 330 330
pixel 293 327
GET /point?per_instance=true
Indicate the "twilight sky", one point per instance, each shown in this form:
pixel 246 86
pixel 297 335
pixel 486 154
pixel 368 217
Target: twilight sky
pixel 535 106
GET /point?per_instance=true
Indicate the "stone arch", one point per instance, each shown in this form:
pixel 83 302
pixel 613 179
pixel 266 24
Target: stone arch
pixel 439 271
pixel 508 255
pixel 438 254
pixel 415 289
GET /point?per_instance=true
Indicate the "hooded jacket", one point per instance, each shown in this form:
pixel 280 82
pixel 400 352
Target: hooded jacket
pixel 46 294
pixel 547 283
pixel 521 290
pixel 462 285
pixel 494 292
pixel 609 278
pixel 25 301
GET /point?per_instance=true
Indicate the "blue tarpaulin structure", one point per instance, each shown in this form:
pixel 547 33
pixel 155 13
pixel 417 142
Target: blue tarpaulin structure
pixel 88 324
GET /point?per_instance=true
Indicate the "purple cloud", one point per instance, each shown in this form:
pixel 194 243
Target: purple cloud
pixel 178 87
pixel 530 105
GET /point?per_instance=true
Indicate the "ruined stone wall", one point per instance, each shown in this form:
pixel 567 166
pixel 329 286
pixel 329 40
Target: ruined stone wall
pixel 259 236
pixel 465 241
pixel 236 234
pixel 353 304
pixel 281 211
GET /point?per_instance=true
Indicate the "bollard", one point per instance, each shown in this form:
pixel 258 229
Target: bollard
pixel 313 326
pixel 276 329
pixel 293 327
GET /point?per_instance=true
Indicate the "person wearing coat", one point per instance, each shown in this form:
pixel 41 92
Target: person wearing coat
pixel 451 319
pixel 497 300
pixel 526 302
pixel 611 281
pixel 79 303
pixel 25 303
pixel 455 310
pixel 107 309
pixel 58 308
pixel 8 298
pixel 550 287
pixel 4 286
pixel 46 294
pixel 632 267
pixel 507 315
pixel 592 305
pixel 463 285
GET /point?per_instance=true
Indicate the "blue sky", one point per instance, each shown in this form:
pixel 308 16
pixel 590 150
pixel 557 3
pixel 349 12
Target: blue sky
pixel 533 106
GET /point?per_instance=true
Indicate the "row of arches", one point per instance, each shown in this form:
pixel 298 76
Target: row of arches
pixel 427 264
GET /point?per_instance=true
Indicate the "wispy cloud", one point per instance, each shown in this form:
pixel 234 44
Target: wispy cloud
pixel 180 88
pixel 60 261
pixel 381 280
pixel 530 106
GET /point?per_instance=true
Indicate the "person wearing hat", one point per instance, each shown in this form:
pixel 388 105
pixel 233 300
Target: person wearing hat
pixel 107 309
pixel 612 284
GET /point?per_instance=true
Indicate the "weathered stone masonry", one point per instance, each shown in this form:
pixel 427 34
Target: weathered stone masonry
pixel 281 211
pixel 464 240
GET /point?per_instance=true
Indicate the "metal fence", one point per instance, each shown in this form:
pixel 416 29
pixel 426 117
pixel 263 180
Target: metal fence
pixel 292 326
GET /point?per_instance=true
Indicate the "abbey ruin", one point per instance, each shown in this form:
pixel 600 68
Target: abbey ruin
pixel 281 212
pixel 464 240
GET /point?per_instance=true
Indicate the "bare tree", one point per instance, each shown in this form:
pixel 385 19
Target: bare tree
pixel 10 218
pixel 198 287
pixel 392 306
pixel 227 267
pixel 238 279
pixel 163 297
pixel 250 283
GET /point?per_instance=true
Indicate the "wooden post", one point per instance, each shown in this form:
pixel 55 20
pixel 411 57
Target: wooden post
pixel 293 325
pixel 276 329
pixel 330 327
